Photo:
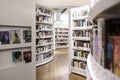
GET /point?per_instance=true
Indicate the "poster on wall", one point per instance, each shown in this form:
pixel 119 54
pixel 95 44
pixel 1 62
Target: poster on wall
pixel 17 56
pixel 4 37
pixel 27 36
pixel 15 36
pixel 27 55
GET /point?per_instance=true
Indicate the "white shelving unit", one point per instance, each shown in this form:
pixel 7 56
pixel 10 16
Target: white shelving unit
pixel 80 32
pixel 110 9
pixel 61 36
pixel 44 35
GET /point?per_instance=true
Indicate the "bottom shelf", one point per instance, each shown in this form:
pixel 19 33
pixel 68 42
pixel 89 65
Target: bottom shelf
pixel 61 47
pixel 79 71
pixel 45 61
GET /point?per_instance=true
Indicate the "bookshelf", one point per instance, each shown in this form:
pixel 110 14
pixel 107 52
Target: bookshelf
pixel 61 37
pixel 44 35
pixel 80 31
pixel 103 55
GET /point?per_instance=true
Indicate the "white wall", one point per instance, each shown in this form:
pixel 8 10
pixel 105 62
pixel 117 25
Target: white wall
pixel 19 12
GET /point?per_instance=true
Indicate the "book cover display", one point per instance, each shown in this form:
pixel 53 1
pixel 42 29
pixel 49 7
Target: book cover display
pixel 27 55
pixel 116 56
pixel 15 36
pixel 4 37
pixel 17 56
pixel 27 36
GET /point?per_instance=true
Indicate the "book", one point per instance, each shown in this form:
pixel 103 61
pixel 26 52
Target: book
pixel 4 37
pixel 27 36
pixel 17 56
pixel 15 36
pixel 109 45
pixel 27 56
pixel 116 55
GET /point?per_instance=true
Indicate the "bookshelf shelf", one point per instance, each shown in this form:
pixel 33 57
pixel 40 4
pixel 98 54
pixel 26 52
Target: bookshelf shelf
pixel 44 61
pixel 48 23
pixel 62 42
pixel 80 18
pixel 43 14
pixel 44 30
pixel 42 52
pixel 61 37
pixel 81 48
pixel 44 35
pixel 82 38
pixel 80 58
pixel 61 34
pixel 15 46
pixel 62 46
pixel 97 9
pixel 82 28
pixel 44 44
pixel 79 71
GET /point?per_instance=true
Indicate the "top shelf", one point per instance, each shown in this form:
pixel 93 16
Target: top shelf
pixel 43 14
pixel 100 7
pixel 80 18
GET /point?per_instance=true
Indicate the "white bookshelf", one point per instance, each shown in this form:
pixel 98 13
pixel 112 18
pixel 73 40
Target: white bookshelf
pixel 80 32
pixel 109 10
pixel 44 35
pixel 61 37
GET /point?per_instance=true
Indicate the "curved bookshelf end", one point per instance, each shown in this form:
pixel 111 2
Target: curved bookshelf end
pixel 39 63
pixel 97 72
pixel 101 6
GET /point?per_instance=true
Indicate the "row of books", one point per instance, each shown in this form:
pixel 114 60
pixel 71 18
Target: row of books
pixel 61 32
pixel 14 36
pixel 61 36
pixel 42 57
pixel 62 29
pixel 43 27
pixel 79 64
pixel 45 33
pixel 43 48
pixel 61 40
pixel 78 43
pixel 61 44
pixel 78 13
pixel 21 56
pixel 107 44
pixel 83 54
pixel 45 19
pixel 43 41
pixel 80 23
pixel 82 33
pixel 43 10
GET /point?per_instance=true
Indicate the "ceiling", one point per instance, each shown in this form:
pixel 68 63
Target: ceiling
pixel 62 3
